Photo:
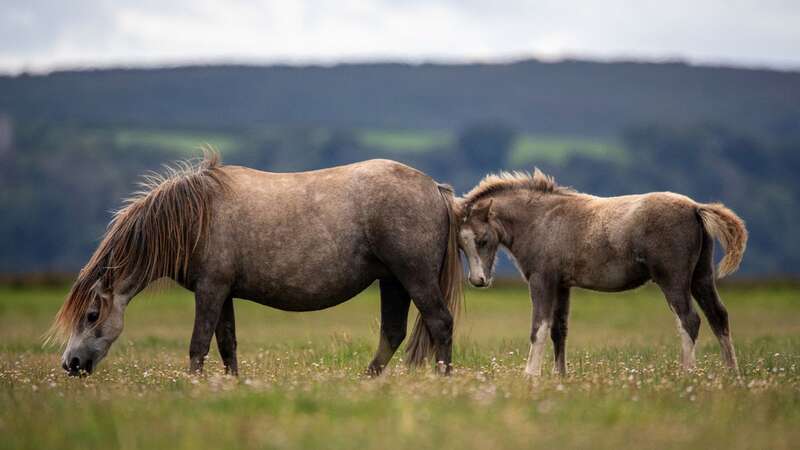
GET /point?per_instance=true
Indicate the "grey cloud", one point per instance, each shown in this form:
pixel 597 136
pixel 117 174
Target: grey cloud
pixel 734 31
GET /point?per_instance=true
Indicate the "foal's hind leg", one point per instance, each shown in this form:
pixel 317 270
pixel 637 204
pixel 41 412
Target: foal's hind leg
pixel 680 301
pixel 394 318
pixel 226 338
pixel 559 331
pixel 705 292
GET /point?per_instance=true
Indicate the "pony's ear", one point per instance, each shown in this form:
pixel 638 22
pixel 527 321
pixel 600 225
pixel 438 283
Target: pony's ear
pixel 102 289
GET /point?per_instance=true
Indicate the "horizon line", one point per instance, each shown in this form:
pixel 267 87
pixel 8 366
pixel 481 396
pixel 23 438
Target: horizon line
pixel 381 60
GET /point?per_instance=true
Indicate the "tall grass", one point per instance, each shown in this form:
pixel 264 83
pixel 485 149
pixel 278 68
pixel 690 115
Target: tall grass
pixel 302 382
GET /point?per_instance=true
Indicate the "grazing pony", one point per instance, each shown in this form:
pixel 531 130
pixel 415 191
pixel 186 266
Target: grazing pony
pixel 293 241
pixel 560 238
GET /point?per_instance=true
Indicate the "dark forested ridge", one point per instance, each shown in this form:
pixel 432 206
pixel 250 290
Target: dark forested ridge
pixel 585 98
pixel 72 144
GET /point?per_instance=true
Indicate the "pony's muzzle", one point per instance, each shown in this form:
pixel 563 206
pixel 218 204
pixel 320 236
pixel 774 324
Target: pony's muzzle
pixel 77 367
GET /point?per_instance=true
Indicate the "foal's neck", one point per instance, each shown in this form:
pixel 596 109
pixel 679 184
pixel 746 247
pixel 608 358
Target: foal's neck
pixel 520 213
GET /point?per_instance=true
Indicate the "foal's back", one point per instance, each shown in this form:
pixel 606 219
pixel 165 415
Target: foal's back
pixel 619 242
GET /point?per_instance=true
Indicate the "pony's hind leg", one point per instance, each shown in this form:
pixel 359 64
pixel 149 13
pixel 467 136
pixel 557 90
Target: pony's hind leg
pixel 558 333
pixel 437 319
pixel 394 318
pixel 209 300
pixel 704 290
pixel 226 338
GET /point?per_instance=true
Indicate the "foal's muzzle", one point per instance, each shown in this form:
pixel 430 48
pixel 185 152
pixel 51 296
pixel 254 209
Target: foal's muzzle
pixel 479 282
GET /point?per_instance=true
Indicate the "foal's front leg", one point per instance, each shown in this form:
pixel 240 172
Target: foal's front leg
pixel 680 301
pixel 209 300
pixel 544 294
pixel 559 331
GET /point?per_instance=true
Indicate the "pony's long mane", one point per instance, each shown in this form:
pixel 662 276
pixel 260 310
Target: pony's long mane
pixel 152 236
pixel 494 184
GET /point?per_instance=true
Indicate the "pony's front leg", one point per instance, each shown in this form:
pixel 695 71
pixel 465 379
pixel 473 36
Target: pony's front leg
pixel 544 294
pixel 209 300
pixel 226 338
pixel 394 318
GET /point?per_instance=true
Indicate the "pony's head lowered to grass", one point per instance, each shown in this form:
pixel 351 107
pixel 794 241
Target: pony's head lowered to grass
pixel 152 237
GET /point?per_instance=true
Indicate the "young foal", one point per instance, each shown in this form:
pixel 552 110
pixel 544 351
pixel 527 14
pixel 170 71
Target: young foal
pixel 560 238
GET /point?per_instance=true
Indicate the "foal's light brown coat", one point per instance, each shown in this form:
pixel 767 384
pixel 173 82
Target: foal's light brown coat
pixel 560 238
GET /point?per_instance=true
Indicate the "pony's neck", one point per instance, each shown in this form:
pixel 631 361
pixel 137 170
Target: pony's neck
pixel 128 289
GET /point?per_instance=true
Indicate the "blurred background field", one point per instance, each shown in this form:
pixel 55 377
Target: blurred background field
pixel 301 383
pixel 73 143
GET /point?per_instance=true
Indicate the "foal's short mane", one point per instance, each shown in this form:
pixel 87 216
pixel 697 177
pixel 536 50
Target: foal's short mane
pixel 152 236
pixel 493 184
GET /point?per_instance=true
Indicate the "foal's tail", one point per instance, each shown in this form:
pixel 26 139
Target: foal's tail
pixel 728 228
pixel 420 345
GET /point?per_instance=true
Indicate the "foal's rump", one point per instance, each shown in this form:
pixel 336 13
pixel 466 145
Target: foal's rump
pixel 638 237
pixel 678 217
pixel 720 222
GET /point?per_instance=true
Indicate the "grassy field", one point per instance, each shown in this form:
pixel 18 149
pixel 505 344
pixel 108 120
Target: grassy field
pixel 301 383
pixel 405 140
pixel 530 149
pixel 527 149
pixel 183 143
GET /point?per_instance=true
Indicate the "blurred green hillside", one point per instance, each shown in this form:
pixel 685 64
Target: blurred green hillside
pixel 72 144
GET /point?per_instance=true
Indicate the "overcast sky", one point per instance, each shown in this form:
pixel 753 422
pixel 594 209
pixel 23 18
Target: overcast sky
pixel 41 35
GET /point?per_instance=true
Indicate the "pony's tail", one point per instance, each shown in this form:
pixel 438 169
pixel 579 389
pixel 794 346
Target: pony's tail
pixel 728 228
pixel 420 345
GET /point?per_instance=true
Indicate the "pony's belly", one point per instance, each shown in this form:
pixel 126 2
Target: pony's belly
pixel 305 305
pixel 299 300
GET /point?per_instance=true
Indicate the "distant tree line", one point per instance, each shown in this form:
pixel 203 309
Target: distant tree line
pixel 59 183
pixel 570 97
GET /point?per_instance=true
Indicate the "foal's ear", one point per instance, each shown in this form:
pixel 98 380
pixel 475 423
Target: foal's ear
pixel 483 212
pixel 492 213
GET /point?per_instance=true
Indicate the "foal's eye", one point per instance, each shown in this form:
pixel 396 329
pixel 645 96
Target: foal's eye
pixel 92 317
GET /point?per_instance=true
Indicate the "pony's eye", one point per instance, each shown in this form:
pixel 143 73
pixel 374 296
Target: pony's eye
pixel 92 317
